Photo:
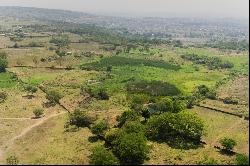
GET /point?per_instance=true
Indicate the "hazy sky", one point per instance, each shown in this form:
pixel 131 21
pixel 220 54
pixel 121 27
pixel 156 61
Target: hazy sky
pixel 199 8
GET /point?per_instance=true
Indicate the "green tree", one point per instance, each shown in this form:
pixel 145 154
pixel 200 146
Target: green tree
pixel 38 112
pixel 172 125
pixel 53 97
pixel 131 148
pixel 228 143
pixel 61 54
pixel 101 156
pixel 80 119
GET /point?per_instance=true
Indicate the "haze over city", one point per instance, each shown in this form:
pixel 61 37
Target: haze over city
pixel 162 8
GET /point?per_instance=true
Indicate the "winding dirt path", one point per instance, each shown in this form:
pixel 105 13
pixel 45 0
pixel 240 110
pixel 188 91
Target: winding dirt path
pixel 10 142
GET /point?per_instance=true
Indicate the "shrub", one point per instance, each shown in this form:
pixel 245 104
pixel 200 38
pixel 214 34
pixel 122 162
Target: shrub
pixel 99 128
pixel 53 97
pixel 12 160
pixel 165 105
pixel 80 119
pixel 131 148
pixel 101 156
pixel 38 112
pixel 127 116
pixel 241 159
pixel 30 89
pixel 228 143
pixel 3 97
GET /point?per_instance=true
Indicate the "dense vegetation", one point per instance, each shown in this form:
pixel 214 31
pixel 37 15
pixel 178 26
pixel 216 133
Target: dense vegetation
pixel 123 61
pixel 210 62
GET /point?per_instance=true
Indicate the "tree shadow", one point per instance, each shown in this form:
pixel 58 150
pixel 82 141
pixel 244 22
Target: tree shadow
pixel 225 151
pixel 182 143
pixel 28 96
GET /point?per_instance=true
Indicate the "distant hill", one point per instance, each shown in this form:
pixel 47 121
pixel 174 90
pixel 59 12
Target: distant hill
pixel 185 29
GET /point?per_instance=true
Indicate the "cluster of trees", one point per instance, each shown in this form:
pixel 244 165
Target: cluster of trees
pixel 97 92
pixel 123 61
pixel 201 92
pixel 3 62
pixel 242 45
pixel 60 40
pixel 210 62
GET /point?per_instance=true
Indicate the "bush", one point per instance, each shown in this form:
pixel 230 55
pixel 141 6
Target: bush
pixel 38 112
pixel 172 125
pixel 241 159
pixel 3 62
pixel 53 97
pixel 131 148
pixel 127 116
pixel 80 119
pixel 101 156
pixel 164 105
pixel 3 97
pixel 12 160
pixel 228 143
pixel 99 128
pixel 30 89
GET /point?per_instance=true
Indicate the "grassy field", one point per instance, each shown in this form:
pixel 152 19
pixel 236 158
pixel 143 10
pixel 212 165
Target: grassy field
pixel 141 69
